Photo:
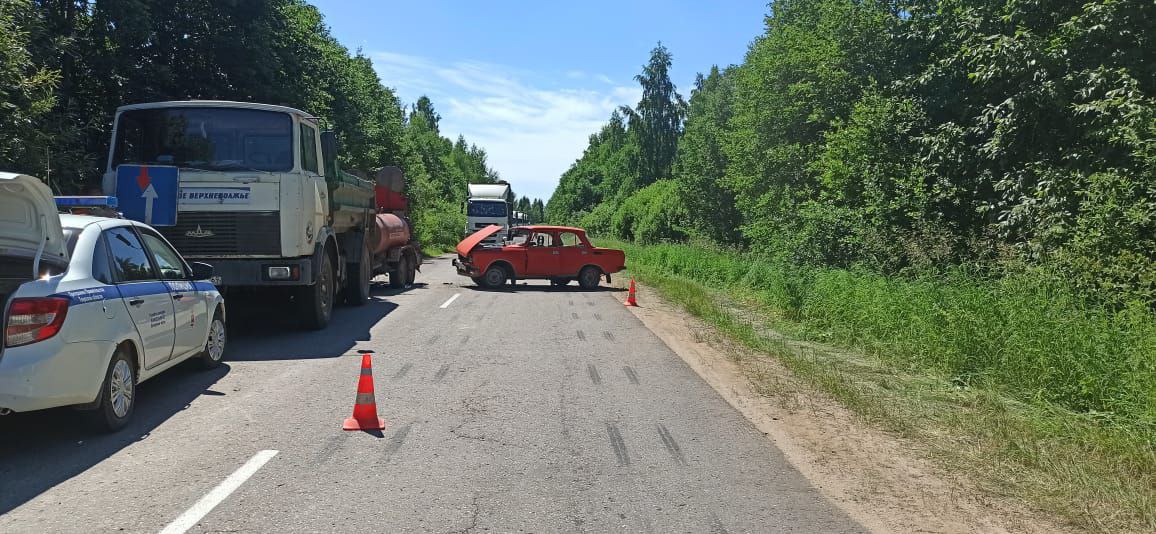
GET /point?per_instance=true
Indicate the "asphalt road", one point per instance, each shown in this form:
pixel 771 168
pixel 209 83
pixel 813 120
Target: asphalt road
pixel 525 409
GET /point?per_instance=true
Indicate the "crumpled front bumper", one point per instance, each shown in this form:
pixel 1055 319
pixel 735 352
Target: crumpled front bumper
pixel 465 268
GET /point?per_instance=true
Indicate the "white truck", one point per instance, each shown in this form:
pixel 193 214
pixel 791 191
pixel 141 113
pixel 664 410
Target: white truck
pixel 261 199
pixel 488 204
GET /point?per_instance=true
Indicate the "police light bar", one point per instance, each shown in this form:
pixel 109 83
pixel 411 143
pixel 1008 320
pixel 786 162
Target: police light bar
pixel 86 202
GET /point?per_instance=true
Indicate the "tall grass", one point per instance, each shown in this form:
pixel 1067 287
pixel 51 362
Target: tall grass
pixel 1012 380
pixel 1023 335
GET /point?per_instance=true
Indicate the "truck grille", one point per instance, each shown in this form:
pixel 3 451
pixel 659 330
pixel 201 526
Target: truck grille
pixel 230 233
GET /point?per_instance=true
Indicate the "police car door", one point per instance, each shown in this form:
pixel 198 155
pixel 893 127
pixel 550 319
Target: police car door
pixel 190 322
pixel 146 297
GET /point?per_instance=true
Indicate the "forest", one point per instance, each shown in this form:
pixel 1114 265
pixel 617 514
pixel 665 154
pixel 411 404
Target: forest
pixel 66 65
pixel 901 137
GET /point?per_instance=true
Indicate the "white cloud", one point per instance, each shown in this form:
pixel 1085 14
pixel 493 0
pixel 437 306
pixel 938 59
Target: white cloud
pixel 531 129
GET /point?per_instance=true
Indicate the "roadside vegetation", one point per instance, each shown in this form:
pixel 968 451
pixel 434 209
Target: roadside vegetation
pixel 1014 382
pixel 65 66
pixel 942 213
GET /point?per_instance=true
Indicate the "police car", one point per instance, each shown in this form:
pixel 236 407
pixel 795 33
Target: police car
pixel 92 306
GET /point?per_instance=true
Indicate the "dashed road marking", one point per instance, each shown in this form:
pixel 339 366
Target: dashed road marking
pixel 631 375
pixel 617 444
pixel 593 372
pixel 671 445
pixel 201 508
pixel 442 373
pixel 451 300
pixel 401 372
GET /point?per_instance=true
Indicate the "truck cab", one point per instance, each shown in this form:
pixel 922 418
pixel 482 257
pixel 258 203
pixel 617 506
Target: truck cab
pixel 260 195
pixel 488 204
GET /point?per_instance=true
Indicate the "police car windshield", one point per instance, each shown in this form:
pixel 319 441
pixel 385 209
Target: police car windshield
pixel 215 139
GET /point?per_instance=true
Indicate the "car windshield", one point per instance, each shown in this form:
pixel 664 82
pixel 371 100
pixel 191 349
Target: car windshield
pixel 205 138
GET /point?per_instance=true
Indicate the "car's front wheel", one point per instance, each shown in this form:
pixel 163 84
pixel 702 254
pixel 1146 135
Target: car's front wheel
pixel 215 343
pixel 117 394
pixel 495 276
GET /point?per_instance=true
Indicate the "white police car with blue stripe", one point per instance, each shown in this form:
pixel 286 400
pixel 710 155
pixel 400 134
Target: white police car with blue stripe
pixel 92 306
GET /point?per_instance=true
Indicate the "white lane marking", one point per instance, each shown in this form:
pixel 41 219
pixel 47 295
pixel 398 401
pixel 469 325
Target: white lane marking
pixel 447 303
pixel 211 499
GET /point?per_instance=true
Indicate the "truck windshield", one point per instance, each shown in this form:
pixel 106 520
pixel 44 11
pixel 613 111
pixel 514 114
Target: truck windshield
pixel 481 208
pixel 206 138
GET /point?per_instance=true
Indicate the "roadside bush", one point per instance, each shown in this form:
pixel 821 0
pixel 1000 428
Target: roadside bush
pixel 652 214
pixel 439 226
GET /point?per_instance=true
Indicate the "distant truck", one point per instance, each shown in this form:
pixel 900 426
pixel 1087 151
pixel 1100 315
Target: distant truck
pixel 263 200
pixel 488 204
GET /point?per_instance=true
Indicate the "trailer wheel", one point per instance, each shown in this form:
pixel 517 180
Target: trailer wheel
pixel 317 304
pixel 360 274
pixel 410 273
pixel 398 275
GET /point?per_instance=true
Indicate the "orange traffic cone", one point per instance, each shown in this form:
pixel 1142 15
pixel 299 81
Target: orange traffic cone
pixel 630 296
pixel 365 407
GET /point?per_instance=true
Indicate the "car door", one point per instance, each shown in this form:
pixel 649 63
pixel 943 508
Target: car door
pixel 543 256
pixel 575 254
pixel 190 323
pixel 147 298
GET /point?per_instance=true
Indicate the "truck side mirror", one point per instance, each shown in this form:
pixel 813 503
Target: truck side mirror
pixel 328 146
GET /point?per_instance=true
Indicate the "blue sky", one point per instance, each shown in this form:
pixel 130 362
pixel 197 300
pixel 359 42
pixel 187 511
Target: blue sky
pixel 530 81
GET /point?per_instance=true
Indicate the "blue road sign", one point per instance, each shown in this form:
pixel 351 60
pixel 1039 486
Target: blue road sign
pixel 148 193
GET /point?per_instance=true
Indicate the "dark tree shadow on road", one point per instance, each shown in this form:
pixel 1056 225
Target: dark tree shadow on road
pixel 63 435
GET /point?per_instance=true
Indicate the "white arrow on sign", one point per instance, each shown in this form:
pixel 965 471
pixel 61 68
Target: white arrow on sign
pixel 149 195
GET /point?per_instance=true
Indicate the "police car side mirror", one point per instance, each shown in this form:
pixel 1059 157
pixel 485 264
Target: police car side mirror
pixel 201 271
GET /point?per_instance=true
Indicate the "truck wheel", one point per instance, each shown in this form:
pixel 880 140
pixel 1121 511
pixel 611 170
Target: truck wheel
pixel 495 276
pixel 215 344
pixel 318 298
pixel 411 274
pixel 398 274
pixel 589 277
pixel 360 274
pixel 117 395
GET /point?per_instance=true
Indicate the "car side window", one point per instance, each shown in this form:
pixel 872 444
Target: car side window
pixel 167 260
pixel 570 239
pixel 101 269
pixel 130 261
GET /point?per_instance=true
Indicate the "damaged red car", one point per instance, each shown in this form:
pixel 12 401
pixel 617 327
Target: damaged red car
pixel 560 254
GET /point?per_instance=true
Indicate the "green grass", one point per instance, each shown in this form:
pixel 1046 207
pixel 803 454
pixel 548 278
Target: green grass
pixel 1011 381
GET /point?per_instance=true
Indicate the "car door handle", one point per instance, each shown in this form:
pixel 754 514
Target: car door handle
pixel 136 302
pixel 555 253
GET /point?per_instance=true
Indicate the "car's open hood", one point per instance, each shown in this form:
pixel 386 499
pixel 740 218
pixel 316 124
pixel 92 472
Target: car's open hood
pixel 467 245
pixel 28 218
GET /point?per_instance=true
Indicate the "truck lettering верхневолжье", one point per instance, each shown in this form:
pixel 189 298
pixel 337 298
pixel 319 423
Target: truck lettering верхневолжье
pixel 262 199
pixel 488 204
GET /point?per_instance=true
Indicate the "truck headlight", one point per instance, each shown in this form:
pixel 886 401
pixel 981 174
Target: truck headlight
pixel 282 272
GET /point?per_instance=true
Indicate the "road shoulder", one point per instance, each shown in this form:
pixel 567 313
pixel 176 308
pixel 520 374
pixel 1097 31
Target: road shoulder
pixel 879 479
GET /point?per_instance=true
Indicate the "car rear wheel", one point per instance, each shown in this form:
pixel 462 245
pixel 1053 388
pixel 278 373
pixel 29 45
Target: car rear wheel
pixel 589 277
pixel 215 343
pixel 117 395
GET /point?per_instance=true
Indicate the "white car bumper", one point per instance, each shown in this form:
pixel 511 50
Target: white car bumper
pixel 52 373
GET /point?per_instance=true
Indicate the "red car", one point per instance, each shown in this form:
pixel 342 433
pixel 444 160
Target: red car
pixel 555 253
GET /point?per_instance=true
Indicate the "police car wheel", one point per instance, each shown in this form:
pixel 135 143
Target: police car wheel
pixel 215 343
pixel 117 395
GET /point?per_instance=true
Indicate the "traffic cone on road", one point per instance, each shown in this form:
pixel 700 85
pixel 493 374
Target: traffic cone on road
pixel 630 296
pixel 365 407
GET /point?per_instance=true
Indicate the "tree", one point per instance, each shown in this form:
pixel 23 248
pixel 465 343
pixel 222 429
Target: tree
pixel 656 122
